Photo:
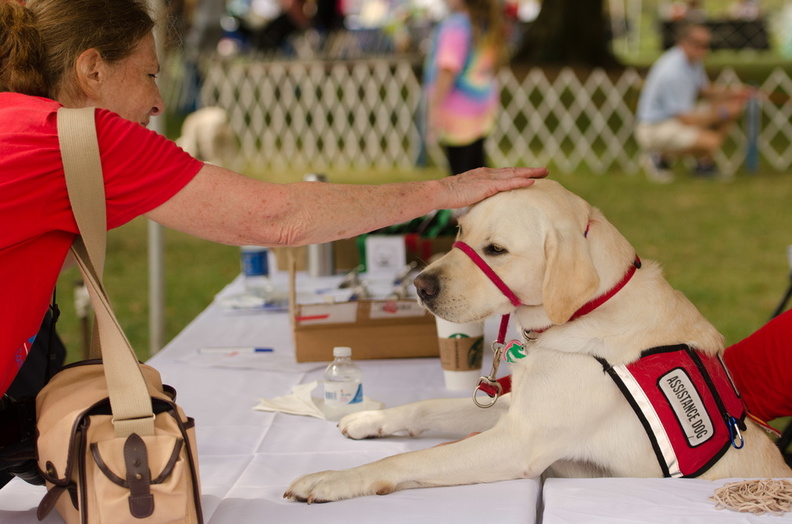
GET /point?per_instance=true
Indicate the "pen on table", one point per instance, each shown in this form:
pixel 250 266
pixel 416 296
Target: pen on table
pixel 239 349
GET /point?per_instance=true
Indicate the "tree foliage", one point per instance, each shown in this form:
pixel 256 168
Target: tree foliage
pixel 568 33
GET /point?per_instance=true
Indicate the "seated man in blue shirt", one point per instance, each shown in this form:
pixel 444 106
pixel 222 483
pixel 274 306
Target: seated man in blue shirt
pixel 680 112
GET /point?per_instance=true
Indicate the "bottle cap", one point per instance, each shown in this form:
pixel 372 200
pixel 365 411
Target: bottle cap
pixel 342 351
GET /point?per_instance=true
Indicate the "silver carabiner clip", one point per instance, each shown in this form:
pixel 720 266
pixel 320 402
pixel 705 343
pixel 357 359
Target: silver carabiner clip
pixel 493 384
pixel 734 432
pixel 497 349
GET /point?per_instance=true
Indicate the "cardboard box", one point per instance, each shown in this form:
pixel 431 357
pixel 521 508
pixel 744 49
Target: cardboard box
pixel 348 253
pixel 374 329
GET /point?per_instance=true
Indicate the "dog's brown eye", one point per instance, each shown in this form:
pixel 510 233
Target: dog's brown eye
pixel 495 249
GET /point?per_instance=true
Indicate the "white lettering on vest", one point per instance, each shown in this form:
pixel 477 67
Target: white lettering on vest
pixel 687 405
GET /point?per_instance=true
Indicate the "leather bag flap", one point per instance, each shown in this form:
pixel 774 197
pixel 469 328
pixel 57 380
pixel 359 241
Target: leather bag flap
pixel 62 405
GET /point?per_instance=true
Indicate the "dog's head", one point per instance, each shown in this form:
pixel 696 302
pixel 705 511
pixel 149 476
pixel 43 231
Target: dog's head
pixel 534 240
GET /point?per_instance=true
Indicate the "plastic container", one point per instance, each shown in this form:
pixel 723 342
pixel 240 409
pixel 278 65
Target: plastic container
pixel 321 257
pixel 255 268
pixel 343 385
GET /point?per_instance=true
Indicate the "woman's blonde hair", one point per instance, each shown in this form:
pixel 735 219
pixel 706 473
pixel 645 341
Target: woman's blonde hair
pixel 40 42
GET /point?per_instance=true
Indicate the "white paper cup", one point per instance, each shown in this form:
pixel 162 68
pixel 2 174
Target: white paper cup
pixel 461 380
pixel 446 329
pixel 461 352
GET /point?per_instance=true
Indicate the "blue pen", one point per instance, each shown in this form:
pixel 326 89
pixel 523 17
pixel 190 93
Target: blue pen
pixel 240 349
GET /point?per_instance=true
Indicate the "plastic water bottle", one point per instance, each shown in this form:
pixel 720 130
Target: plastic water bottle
pixel 255 268
pixel 343 388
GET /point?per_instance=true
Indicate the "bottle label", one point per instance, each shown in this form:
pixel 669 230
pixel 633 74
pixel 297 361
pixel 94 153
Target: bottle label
pixel 255 263
pixel 342 393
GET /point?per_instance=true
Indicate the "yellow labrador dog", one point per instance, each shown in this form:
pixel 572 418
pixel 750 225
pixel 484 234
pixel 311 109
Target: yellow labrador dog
pixel 590 314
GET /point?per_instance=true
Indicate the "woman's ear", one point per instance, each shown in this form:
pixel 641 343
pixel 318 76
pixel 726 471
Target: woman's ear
pixel 90 69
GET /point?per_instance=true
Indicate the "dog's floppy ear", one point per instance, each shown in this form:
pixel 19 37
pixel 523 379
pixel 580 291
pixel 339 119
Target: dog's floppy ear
pixel 570 278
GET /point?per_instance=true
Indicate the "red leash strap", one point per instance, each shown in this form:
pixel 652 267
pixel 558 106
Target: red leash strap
pixel 504 325
pixel 491 386
pixel 505 383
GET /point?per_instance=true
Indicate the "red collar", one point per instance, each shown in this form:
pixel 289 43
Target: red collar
pixel 591 305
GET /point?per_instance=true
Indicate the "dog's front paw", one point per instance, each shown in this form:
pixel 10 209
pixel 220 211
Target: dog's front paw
pixel 328 486
pixel 376 424
pixel 363 424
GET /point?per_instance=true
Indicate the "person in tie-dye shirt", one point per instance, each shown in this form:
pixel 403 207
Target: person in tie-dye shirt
pixel 462 94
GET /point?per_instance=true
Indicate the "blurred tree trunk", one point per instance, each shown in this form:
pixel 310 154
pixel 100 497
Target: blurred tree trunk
pixel 568 32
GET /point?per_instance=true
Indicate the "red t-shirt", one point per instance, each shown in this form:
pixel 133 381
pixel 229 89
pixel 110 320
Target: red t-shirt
pixel 142 170
pixel 761 366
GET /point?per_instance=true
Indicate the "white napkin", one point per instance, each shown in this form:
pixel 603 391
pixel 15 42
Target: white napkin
pixel 300 402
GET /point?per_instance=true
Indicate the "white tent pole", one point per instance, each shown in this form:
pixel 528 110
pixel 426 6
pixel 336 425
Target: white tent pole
pixel 635 8
pixel 156 261
pixel 156 257
pixel 618 15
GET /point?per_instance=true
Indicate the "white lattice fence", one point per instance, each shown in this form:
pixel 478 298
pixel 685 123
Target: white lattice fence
pixel 776 132
pixel 301 116
pixel 566 120
pixel 309 115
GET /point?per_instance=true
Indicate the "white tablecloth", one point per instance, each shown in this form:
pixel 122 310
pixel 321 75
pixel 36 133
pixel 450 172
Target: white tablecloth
pixel 248 458
pixel 645 501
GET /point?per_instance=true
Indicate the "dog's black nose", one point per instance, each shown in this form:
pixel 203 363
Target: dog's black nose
pixel 427 285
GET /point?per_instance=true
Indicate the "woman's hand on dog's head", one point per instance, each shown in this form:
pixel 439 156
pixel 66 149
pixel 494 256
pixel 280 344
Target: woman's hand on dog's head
pixel 477 184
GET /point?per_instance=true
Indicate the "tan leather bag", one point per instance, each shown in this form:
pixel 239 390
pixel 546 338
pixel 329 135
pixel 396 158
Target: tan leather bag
pixel 112 444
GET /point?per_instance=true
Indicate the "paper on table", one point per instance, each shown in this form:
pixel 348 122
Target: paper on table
pixel 244 303
pixel 300 402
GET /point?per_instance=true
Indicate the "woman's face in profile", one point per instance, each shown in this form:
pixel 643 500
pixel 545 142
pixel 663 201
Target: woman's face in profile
pixel 130 88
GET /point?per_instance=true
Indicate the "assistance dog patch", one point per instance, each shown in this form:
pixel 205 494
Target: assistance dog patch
pixel 689 408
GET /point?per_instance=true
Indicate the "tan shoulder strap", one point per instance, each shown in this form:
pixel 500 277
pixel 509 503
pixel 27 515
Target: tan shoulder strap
pixel 80 154
pixel 130 400
pixel 83 167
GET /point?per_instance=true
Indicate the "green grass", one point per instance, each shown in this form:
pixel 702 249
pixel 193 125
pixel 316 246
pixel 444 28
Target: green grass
pixel 195 270
pixel 722 244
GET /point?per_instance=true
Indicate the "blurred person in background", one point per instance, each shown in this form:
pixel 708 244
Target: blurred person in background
pixel 680 112
pixel 461 89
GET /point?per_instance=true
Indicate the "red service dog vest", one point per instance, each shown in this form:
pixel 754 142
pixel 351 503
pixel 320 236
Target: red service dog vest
pixel 687 404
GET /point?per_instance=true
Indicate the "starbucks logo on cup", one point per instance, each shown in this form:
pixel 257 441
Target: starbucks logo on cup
pixel 475 353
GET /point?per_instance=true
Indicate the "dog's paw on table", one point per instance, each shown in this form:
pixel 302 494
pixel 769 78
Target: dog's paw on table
pixel 329 486
pixel 365 424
